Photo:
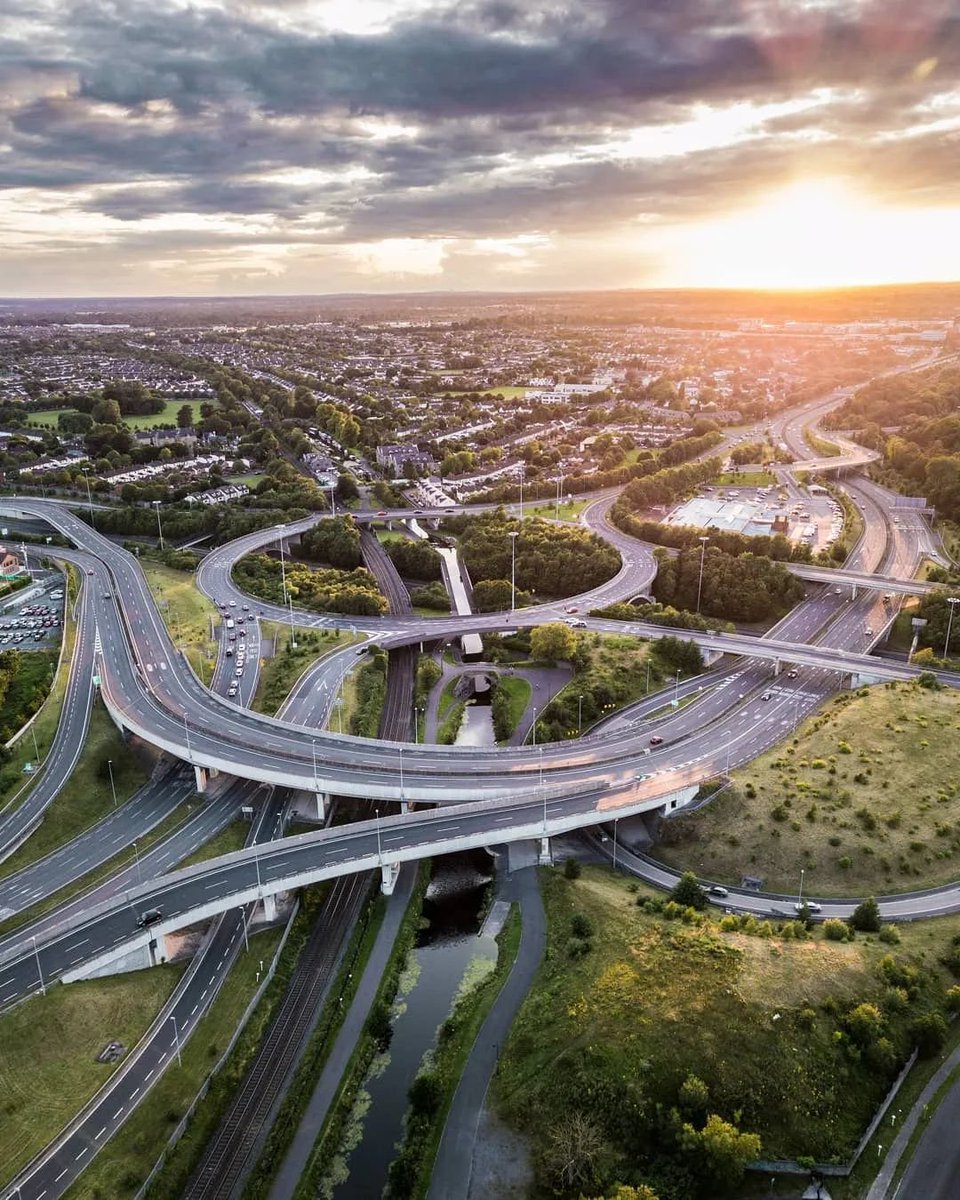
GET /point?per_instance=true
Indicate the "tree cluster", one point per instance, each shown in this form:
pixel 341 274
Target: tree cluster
pixel 747 587
pixel 335 542
pixel 415 560
pixel 682 537
pixel 553 560
pixel 321 590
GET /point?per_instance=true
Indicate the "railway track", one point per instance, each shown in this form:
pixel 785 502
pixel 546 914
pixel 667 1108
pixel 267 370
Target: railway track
pixel 232 1151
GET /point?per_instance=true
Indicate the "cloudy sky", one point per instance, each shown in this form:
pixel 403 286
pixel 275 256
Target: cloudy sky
pixel 232 146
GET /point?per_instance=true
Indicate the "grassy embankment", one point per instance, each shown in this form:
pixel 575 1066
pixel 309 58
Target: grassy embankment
pixel 132 1152
pixel 819 445
pixel 613 1031
pixel 288 663
pixel 359 703
pixel 517 693
pixel 48 1069
pixel 47 419
pixel 615 674
pixel 187 614
pixel 863 798
pixel 86 797
pixel 569 509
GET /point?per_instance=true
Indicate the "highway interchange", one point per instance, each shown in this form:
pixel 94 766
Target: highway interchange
pixel 483 797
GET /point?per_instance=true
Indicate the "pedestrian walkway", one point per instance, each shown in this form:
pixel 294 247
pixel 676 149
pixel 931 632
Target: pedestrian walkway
pixel 880 1187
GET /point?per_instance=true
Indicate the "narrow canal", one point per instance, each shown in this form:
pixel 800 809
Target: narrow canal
pixel 446 948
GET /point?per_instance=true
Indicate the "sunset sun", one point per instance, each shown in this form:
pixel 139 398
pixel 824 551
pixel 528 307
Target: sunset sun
pixel 819 233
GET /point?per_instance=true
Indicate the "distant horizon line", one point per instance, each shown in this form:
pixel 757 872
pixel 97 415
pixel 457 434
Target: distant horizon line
pixel 831 289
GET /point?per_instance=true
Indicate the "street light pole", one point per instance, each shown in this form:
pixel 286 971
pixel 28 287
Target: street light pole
pixel 513 535
pixel 86 476
pixel 112 786
pixel 136 855
pixel 676 691
pixel 616 820
pixel 953 601
pixel 313 746
pixel 156 505
pixel 703 549
pixel 176 1038
pixel 579 715
pixel 559 489
pixel 401 775
pixel 43 986
pixel 534 726
pixel 543 793
pixel 283 572
pixel 800 893
pixel 376 813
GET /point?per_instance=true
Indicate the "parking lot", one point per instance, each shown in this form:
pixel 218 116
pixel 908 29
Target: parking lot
pixel 33 620
pixel 815 521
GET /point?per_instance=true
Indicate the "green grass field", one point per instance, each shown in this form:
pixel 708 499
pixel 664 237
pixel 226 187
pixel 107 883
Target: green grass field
pixel 865 799
pixel 508 393
pixel 569 509
pixel 48 418
pixel 615 1031
pixel 186 613
pixel 50 1043
pixel 745 479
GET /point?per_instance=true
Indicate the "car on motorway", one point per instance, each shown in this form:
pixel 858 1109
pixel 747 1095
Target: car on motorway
pixel 229 652
pixel 792 674
pixel 838 591
pixel 716 890
pixel 233 604
pixel 239 672
pixel 809 905
pixel 571 608
pixel 382 512
pixel 89 571
pixel 574 623
pixel 360 650
pixel 148 918
pixel 656 740
pixel 767 696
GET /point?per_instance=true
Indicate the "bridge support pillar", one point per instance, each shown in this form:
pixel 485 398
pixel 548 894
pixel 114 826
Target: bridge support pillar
pixel 854 592
pixel 404 807
pixel 322 801
pixel 388 877
pixel 545 858
pixel 777 667
pixel 202 777
pixel 270 907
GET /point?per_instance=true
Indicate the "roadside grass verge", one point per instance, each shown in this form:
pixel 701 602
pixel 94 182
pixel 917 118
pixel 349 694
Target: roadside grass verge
pixel 745 479
pixel 125 858
pixel 626 1010
pixel 289 661
pixel 449 727
pixel 44 728
pixel 234 837
pixel 135 1148
pixel 373 1039
pixel 820 445
pixel 569 510
pixel 187 614
pixel 344 704
pixel 319 1045
pixel 48 1069
pixel 852 529
pixel 410 1171
pixel 864 798
pixel 86 797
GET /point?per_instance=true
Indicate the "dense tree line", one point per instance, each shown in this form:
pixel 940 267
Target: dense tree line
pixel 684 537
pixel 321 590
pixel 664 487
pixel 222 522
pixel 371 695
pixel 415 560
pixel 552 560
pixel 661 614
pixel 914 420
pixel 680 451
pixel 746 587
pixel 336 542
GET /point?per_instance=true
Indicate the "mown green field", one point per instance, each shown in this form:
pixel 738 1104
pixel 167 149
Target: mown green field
pixel 48 418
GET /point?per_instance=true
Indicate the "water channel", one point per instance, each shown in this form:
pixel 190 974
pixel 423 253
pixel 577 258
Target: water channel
pixel 442 957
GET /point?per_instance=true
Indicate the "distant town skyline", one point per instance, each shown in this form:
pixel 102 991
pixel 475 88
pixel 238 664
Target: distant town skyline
pixel 322 146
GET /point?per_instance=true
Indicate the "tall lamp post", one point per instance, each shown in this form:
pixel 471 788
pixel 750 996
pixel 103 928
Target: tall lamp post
pixel 112 787
pixel 156 505
pixel 86 476
pixel 703 549
pixel 953 601
pixel 513 535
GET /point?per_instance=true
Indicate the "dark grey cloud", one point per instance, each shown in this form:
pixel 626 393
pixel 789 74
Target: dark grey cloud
pixel 210 104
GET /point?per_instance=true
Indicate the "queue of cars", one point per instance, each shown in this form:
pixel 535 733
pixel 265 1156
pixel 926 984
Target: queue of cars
pixel 237 647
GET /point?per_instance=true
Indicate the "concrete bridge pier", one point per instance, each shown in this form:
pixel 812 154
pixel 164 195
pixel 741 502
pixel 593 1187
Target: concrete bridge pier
pixel 777 667
pixel 545 858
pixel 388 877
pixel 202 777
pixel 322 802
pixel 404 807
pixel 270 907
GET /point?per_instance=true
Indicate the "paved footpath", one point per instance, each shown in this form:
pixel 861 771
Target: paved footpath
pixel 931 1174
pixel 451 1170
pixel 298 1155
